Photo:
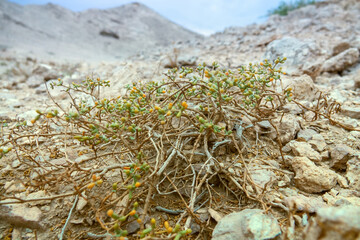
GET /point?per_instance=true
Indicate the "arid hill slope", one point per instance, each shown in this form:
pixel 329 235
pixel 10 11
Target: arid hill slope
pixel 51 30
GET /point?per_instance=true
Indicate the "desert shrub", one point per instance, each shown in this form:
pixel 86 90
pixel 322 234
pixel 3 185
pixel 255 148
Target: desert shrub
pixel 285 7
pixel 131 148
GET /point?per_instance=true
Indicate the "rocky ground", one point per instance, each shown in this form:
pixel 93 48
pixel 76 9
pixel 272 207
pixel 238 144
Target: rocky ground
pixel 312 193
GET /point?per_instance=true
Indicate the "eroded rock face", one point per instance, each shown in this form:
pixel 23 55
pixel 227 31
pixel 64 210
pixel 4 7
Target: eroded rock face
pixel 249 224
pixel 311 178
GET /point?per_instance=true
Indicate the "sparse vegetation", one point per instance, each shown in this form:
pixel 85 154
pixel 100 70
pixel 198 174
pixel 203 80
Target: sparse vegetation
pixel 285 7
pixel 159 139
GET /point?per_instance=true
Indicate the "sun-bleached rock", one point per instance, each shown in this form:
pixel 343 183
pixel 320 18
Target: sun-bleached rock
pixel 296 51
pixel 311 178
pixel 304 149
pixel 288 128
pixel 303 87
pixel 332 223
pixel 353 173
pixel 318 142
pixel 353 112
pixel 302 203
pixel 341 61
pixel 306 134
pixel 21 216
pixel 340 154
pixel 249 224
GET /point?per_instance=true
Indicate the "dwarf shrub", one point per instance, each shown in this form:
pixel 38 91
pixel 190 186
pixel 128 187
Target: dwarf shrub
pixel 138 134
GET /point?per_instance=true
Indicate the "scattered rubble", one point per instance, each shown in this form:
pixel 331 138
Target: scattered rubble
pixel 317 173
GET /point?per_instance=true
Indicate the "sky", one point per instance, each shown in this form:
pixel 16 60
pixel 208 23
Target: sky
pixel 202 16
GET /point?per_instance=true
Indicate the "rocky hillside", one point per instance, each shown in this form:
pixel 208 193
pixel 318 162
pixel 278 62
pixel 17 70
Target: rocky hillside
pixel 293 163
pixel 53 31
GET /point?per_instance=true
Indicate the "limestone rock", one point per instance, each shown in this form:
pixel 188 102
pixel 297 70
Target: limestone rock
pixel 13 187
pixel 318 142
pixel 81 203
pixel 16 234
pixel 340 47
pixel 306 134
pixel 303 87
pixel 292 108
pixel 35 81
pixel 339 97
pixel 313 69
pixel 16 163
pixel 249 224
pixel 46 72
pixel 325 155
pixel 353 173
pixel 296 51
pixel 265 124
pixel 340 154
pixel 311 178
pixel 260 175
pixel 36 195
pixel 341 61
pixel 355 134
pixel 357 79
pixel 353 112
pixel 187 60
pixel 333 223
pixel 341 197
pixel 304 149
pixel 21 216
pixel 302 203
pixel 351 123
pixel 348 215
pixel 288 128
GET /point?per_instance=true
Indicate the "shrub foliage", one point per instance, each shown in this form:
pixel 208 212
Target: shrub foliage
pixel 146 143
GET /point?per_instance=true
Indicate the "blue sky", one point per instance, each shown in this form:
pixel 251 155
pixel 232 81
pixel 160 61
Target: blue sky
pixel 203 16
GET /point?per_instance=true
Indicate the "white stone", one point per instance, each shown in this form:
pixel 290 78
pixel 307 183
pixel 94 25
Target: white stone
pixel 249 224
